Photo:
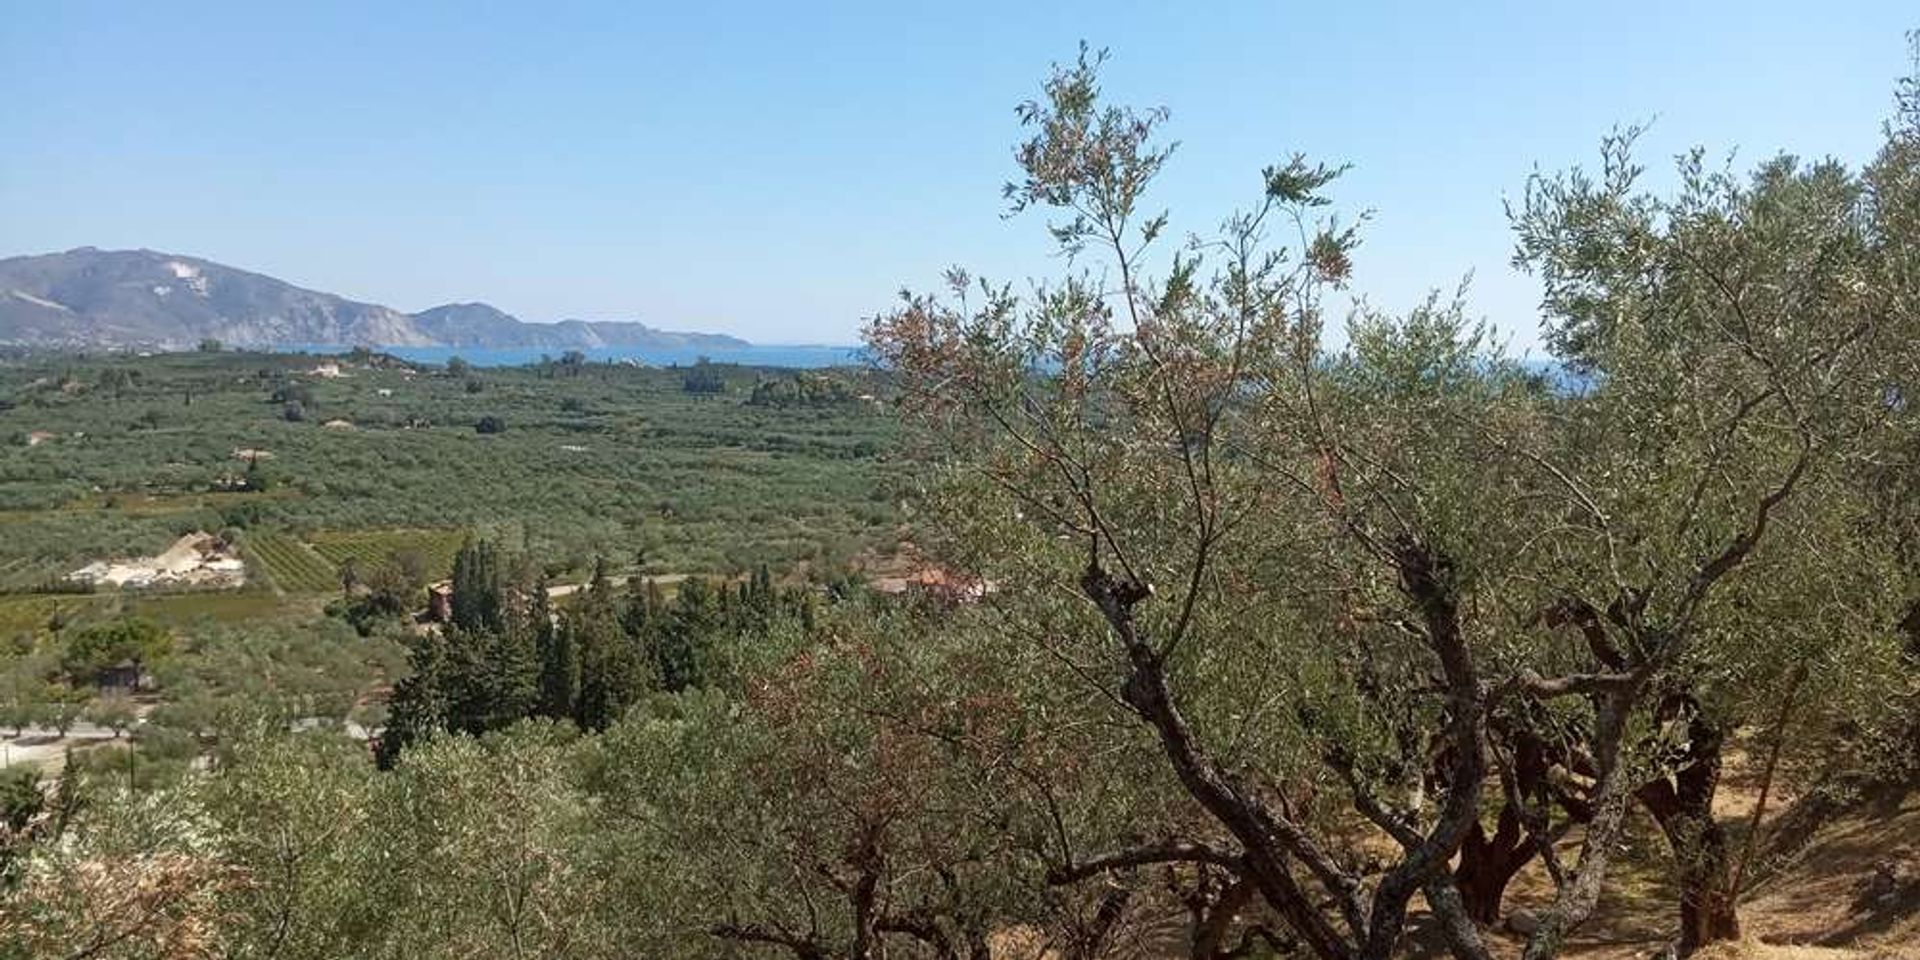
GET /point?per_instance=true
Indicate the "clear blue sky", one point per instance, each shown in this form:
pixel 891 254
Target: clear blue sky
pixel 779 170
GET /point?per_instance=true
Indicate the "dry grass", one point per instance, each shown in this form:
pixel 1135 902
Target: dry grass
pixel 1757 950
pixel 1808 909
pixel 1814 900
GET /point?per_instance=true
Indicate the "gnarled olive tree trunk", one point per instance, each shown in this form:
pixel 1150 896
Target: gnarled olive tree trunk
pixel 1683 806
pixel 1370 929
pixel 1488 862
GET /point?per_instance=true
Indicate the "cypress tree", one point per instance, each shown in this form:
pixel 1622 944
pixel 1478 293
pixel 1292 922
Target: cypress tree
pixel 683 641
pixel 419 704
pixel 638 613
pixel 477 587
pixel 612 674
pixel 559 659
pixel 510 679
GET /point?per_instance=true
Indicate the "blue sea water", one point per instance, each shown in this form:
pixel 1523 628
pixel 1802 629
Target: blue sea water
pixel 770 355
pixel 794 356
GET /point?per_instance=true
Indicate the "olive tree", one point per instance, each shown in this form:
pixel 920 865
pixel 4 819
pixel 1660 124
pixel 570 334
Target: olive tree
pixel 1741 353
pixel 297 827
pixel 1265 553
pixel 1373 584
pixel 829 813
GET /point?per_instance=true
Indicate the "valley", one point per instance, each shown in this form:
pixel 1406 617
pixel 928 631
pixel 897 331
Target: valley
pixel 308 471
pixel 1193 560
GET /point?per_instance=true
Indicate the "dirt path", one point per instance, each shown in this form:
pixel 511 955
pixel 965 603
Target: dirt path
pixel 568 589
pixel 48 750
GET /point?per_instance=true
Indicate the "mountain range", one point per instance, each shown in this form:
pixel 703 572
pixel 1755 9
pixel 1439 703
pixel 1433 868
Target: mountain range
pixel 161 301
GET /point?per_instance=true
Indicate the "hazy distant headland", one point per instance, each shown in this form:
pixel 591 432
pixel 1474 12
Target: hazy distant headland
pixel 797 356
pixel 88 298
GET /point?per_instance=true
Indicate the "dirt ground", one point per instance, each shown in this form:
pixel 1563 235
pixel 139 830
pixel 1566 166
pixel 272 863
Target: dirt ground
pixel 1816 902
pixel 1810 909
pixel 1813 908
pixel 196 559
pixel 47 750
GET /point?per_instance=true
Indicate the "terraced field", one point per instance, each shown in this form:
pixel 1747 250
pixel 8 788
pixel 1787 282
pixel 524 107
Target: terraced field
pixel 371 548
pixel 291 565
pixel 313 565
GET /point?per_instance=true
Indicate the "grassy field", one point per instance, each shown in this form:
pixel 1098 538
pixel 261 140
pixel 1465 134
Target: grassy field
pixel 30 613
pixel 600 460
pixel 189 609
pixel 367 548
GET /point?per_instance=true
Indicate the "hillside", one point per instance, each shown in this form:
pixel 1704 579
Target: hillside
pixel 153 300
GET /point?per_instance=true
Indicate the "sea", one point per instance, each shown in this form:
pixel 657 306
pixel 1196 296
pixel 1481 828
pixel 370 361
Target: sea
pixel 802 356
pixel 792 356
